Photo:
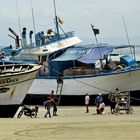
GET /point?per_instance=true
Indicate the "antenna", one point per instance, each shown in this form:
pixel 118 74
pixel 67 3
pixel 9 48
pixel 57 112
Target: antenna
pixel 126 34
pixel 56 18
pixel 18 18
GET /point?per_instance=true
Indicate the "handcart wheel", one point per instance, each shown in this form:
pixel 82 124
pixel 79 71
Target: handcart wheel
pixel 131 110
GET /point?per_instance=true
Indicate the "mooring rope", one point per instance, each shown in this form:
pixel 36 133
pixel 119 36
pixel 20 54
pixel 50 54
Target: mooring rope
pixel 137 99
pixel 95 87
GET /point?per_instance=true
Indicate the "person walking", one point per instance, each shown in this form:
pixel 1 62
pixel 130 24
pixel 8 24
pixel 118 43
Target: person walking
pixel 87 99
pixel 48 103
pixel 54 103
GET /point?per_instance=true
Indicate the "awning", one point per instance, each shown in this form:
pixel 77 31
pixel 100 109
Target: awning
pixel 95 54
pixel 84 54
pixel 72 54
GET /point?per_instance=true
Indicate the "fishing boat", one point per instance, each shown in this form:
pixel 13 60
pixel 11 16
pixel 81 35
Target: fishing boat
pixel 84 69
pixel 90 70
pixel 15 81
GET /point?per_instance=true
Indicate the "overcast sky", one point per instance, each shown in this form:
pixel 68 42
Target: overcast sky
pixel 77 15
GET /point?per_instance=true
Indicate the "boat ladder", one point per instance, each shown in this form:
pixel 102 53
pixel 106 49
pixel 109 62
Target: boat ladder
pixel 59 91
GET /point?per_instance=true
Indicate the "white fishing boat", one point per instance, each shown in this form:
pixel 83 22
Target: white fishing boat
pixel 15 81
pixel 83 68
pixel 81 73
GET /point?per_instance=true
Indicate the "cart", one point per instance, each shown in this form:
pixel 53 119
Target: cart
pixel 123 103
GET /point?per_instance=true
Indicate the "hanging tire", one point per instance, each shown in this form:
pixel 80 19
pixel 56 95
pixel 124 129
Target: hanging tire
pixel 20 114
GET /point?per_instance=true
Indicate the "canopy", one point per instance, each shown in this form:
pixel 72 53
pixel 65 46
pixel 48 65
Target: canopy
pixel 84 54
pixel 95 54
pixel 72 54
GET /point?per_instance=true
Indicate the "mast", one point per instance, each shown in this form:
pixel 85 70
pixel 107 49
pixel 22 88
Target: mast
pixel 132 53
pixel 126 30
pixel 56 18
pixel 19 24
pixel 96 31
pixel 33 18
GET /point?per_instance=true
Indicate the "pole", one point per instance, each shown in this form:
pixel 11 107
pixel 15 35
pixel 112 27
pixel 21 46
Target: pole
pixel 94 35
pixel 33 18
pixel 126 30
pixel 19 24
pixel 56 19
pixel 127 35
pixel 95 32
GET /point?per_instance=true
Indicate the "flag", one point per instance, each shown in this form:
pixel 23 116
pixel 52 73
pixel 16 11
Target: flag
pixel 60 21
pixel 96 31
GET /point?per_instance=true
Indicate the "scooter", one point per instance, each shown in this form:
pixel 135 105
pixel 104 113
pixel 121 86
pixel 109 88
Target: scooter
pixel 30 112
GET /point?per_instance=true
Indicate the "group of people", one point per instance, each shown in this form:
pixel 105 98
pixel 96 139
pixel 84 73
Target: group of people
pixel 100 105
pixel 51 101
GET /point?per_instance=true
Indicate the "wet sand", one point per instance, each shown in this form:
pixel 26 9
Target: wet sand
pixel 72 123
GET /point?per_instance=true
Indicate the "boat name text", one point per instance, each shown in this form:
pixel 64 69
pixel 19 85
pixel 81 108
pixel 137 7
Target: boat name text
pixel 8 80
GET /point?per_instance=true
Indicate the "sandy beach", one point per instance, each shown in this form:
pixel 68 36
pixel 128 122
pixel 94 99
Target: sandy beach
pixel 72 123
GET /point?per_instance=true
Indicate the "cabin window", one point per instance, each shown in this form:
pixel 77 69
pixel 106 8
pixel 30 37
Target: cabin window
pixel 39 59
pixel 43 58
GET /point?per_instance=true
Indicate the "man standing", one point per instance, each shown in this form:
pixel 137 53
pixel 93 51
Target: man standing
pixel 87 99
pixel 112 100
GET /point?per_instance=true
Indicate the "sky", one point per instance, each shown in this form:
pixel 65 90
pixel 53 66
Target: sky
pixel 78 15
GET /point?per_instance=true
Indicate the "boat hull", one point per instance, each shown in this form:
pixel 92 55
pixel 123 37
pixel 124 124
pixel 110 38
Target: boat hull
pixel 93 84
pixel 13 89
pixel 8 111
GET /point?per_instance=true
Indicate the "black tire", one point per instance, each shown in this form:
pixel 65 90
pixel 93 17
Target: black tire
pixel 33 114
pixel 20 114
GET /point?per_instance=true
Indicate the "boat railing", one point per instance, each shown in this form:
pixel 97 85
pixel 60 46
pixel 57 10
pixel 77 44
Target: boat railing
pixel 81 71
pixel 51 40
pixel 14 68
pixel 60 37
pixel 96 71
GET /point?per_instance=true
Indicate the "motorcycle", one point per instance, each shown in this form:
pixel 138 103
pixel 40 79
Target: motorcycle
pixel 30 112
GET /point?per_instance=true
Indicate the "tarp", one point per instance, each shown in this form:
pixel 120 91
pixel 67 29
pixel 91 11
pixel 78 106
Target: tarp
pixel 84 54
pixel 72 54
pixel 95 54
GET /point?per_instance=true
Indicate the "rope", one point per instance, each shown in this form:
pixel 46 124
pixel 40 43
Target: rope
pixel 95 87
pixel 137 99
